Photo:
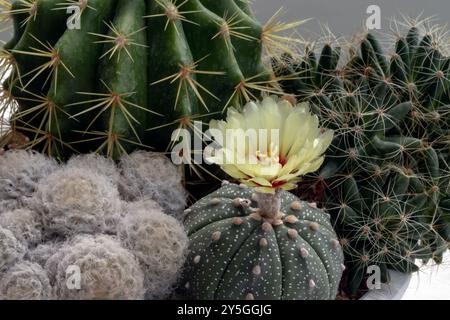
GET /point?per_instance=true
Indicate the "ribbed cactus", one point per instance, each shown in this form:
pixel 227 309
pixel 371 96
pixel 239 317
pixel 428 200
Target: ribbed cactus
pixel 133 72
pixel 239 253
pixel 385 180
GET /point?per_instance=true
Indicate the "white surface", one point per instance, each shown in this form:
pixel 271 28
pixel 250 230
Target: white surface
pixel 432 282
pixel 395 290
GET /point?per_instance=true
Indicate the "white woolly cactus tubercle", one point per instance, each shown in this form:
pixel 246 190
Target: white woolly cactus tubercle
pixel 74 200
pixel 25 281
pixel 152 176
pixel 97 163
pixel 256 240
pixel 108 271
pixel 11 249
pixel 25 224
pixel 20 173
pixel 160 244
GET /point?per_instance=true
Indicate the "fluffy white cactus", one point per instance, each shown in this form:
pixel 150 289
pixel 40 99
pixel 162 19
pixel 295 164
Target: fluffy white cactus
pixel 74 200
pixel 11 249
pixel 148 175
pixel 55 219
pixel 20 172
pixel 159 242
pixel 25 281
pixel 25 224
pixel 107 270
pixel 97 163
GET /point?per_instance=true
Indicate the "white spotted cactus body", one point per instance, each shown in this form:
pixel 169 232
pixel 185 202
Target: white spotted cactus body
pixel 236 253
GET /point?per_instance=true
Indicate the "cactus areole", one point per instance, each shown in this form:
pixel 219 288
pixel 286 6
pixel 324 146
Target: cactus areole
pixel 260 246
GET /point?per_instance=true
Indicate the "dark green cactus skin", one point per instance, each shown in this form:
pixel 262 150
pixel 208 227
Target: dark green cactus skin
pixel 234 255
pixel 383 180
pixel 179 61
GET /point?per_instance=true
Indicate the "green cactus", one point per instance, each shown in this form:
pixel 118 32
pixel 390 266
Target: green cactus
pixel 133 72
pixel 238 252
pixel 383 181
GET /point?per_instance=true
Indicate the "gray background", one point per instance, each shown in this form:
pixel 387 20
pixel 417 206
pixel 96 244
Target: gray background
pixel 344 17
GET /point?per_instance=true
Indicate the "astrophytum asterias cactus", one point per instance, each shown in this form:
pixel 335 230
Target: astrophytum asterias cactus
pixel 239 253
pixel 256 240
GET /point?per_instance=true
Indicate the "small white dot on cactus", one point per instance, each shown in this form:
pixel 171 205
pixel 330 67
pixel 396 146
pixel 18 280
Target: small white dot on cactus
pixel 225 183
pixel 237 221
pixel 263 242
pixel 256 270
pixel 293 234
pixel 291 219
pixel 304 253
pixel 266 227
pixel 312 284
pixel 215 202
pixel 197 259
pixel 250 296
pixel 216 236
pixel 314 226
pixel 296 205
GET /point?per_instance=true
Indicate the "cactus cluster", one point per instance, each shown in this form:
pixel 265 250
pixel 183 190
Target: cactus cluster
pixel 385 180
pixel 76 216
pixel 131 72
pixel 237 253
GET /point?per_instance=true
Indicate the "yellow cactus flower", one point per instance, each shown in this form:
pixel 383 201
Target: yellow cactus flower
pixel 270 144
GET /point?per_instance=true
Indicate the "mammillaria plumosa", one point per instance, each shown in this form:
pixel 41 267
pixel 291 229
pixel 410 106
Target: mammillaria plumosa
pixel 25 281
pixel 160 244
pixel 108 270
pixel 20 172
pixel 25 224
pixel 73 200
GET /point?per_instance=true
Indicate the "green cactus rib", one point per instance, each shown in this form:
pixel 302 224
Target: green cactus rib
pixel 235 254
pixel 133 72
pixel 385 179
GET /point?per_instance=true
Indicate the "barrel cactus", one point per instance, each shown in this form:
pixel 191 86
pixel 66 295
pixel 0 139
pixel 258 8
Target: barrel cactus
pixel 256 240
pixel 385 180
pixel 131 72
